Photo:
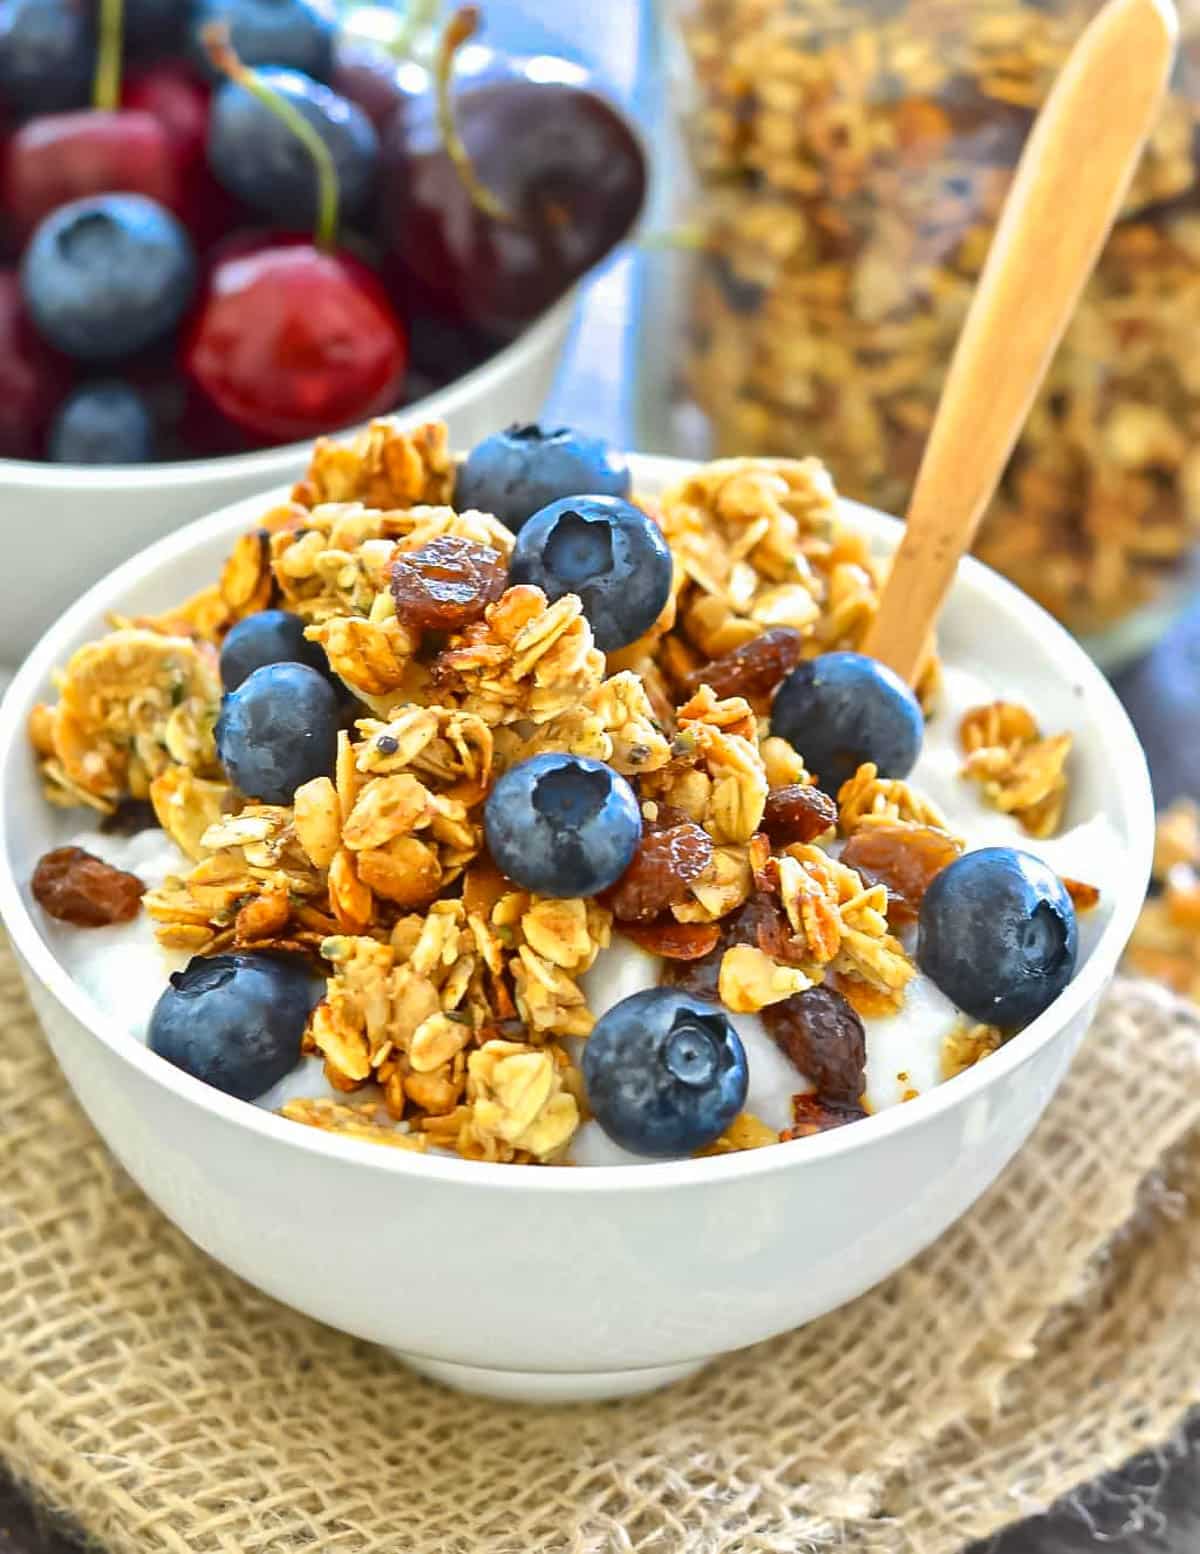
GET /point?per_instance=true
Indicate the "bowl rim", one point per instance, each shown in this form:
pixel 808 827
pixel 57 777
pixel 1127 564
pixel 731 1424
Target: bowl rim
pixel 1131 801
pixel 275 464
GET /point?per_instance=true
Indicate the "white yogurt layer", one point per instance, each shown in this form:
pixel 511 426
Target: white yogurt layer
pixel 124 969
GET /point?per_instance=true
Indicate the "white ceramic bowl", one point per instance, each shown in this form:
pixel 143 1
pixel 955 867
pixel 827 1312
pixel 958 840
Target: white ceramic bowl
pixel 569 1284
pixel 66 527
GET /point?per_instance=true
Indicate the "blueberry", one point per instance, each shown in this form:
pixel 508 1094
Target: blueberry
pixel 46 55
pixel 105 276
pixel 842 709
pixel 997 934
pixel 235 1021
pixel 258 158
pixel 665 1072
pixel 278 730
pixel 516 473
pixel 297 34
pixel 270 637
pixel 606 551
pixel 562 825
pixel 103 423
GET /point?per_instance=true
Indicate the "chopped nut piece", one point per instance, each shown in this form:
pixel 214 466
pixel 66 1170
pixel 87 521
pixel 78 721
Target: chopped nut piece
pixel 750 980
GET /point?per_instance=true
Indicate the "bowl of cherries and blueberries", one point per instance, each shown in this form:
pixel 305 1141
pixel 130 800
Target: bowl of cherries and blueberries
pixel 514 838
pixel 227 225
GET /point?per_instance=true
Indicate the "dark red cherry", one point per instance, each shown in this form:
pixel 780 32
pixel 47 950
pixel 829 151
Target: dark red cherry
pixel 174 95
pixel 60 157
pixel 556 154
pixel 34 380
pixel 290 342
pixel 171 93
pixel 374 81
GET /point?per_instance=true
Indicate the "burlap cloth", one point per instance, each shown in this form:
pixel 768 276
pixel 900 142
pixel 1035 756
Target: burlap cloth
pixel 164 1406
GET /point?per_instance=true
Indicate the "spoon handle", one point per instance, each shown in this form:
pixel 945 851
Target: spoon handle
pixel 1068 188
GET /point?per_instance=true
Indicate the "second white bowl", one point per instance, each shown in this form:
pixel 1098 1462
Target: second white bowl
pixel 64 528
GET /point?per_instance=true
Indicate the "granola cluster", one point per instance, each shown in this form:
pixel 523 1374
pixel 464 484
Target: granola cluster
pixel 853 158
pixel 454 1000
pixel 1166 941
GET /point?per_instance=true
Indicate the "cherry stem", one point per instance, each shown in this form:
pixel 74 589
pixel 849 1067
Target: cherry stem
pixel 419 16
pixel 224 59
pixel 460 29
pixel 106 86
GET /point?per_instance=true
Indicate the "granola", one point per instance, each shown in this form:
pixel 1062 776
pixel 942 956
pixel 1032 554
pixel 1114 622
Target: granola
pixel 455 1002
pixel 1166 941
pixel 852 159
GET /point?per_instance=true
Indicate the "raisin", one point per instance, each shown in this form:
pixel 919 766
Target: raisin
pixel 752 670
pixel 663 867
pixel 759 920
pixel 798 814
pixel 825 1039
pixel 447 583
pixel 905 859
pixel 129 818
pixel 810 1115
pixel 79 888
pixel 674 941
pixel 666 816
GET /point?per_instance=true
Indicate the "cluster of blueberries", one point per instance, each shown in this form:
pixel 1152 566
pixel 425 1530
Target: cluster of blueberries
pixel 665 1073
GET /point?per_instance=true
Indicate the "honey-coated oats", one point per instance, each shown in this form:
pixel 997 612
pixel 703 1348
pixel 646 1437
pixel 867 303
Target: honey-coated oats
pixel 453 1004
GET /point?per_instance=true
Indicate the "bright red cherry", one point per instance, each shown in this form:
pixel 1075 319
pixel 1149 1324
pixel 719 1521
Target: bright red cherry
pixel 34 380
pixel 60 157
pixel 560 159
pixel 291 341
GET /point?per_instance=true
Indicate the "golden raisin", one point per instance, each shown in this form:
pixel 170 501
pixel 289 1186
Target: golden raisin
pixel 663 867
pixel 77 887
pixel 798 813
pixel 447 583
pixel 674 941
pixel 905 859
pixel 754 669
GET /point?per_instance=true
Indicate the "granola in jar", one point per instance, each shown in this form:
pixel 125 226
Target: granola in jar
pixel 852 158
pixel 444 995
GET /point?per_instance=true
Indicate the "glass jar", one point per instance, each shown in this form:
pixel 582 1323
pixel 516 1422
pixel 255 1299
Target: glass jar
pixel 850 159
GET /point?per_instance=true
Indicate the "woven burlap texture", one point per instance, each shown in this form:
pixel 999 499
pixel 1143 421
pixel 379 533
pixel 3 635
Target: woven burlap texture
pixel 163 1405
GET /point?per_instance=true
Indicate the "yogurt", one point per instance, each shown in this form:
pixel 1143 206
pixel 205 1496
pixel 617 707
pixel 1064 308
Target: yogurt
pixel 124 969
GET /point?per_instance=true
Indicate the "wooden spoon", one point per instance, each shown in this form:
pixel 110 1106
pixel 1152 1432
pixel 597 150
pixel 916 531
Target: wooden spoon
pixel 1068 188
